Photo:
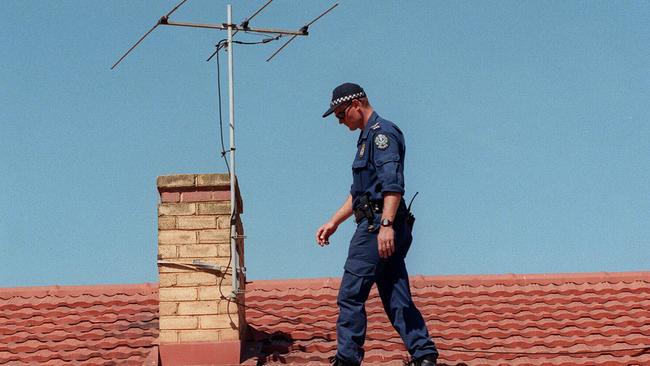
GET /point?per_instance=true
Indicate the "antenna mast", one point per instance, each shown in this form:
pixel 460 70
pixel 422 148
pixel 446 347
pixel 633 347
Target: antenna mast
pixel 234 254
pixel 232 29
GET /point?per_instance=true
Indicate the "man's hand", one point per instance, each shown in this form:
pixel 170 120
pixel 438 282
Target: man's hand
pixel 324 232
pixel 386 241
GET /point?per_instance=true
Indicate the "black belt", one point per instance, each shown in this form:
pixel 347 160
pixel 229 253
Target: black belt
pixel 367 209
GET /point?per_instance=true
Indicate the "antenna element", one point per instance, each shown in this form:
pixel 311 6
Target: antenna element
pixel 304 31
pixel 162 20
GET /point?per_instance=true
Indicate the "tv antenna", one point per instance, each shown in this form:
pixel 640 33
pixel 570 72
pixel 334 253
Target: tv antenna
pixel 232 29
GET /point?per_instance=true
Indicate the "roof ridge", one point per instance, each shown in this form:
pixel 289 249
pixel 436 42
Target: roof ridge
pixel 333 282
pixel 508 279
pixel 75 290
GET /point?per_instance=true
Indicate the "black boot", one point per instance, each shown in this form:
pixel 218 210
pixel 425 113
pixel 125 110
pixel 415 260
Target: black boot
pixel 429 360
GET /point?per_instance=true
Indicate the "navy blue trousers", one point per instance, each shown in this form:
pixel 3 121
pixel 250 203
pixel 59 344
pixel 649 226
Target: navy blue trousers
pixel 364 268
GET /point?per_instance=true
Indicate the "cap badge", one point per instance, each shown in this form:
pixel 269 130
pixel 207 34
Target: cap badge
pixel 381 141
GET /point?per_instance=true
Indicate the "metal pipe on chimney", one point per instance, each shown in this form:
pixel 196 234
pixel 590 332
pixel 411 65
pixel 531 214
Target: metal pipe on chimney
pixel 233 201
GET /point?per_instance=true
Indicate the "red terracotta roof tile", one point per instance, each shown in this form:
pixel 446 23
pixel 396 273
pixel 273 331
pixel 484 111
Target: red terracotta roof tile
pixel 89 325
pixel 516 320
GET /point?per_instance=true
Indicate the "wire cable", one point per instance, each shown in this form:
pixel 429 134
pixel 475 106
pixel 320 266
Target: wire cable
pixel 223 147
pixel 219 46
pixel 223 155
pixel 265 40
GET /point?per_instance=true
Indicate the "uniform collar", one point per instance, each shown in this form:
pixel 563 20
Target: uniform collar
pixel 371 121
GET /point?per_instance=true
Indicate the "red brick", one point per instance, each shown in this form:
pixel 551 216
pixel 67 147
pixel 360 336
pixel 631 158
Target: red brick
pixel 170 197
pixel 201 196
pixel 221 195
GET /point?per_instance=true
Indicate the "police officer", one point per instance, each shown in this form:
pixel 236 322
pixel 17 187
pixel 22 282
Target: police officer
pixel 383 235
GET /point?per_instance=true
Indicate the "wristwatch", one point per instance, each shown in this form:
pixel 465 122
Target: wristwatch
pixel 386 222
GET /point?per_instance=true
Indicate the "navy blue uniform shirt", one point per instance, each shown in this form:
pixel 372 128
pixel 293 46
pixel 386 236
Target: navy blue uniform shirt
pixel 378 165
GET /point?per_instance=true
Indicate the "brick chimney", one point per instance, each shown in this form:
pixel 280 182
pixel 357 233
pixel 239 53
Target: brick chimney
pixel 198 326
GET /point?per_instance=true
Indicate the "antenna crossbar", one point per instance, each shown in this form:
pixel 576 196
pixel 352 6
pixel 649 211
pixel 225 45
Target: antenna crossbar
pixel 244 24
pixel 225 26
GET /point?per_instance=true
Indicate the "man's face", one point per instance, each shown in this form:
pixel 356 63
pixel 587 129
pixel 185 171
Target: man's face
pixel 348 114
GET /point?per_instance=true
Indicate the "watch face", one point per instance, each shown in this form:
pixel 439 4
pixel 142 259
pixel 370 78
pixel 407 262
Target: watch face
pixel 385 222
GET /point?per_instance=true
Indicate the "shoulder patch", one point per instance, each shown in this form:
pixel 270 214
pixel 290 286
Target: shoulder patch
pixel 381 141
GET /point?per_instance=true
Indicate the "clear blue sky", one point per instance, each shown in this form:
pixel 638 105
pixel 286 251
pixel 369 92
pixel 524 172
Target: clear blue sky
pixel 527 128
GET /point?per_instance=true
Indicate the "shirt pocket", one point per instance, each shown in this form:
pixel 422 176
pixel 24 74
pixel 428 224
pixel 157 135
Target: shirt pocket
pixel 360 159
pixel 360 172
